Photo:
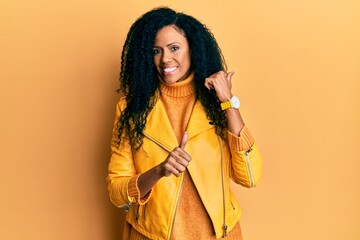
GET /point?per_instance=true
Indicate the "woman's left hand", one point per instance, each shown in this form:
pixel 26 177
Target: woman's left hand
pixel 221 83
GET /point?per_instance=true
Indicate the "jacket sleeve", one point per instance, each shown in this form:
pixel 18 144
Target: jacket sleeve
pixel 246 160
pixel 122 176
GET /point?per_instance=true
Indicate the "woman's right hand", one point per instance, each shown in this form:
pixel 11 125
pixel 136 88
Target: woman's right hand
pixel 177 160
pixel 175 163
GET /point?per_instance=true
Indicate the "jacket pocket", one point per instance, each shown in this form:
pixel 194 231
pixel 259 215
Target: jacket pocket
pixel 249 168
pixel 246 167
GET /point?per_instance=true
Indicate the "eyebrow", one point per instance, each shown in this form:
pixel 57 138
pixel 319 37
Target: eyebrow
pixel 169 44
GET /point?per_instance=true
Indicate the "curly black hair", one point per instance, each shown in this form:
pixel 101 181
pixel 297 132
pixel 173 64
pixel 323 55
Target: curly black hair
pixel 138 76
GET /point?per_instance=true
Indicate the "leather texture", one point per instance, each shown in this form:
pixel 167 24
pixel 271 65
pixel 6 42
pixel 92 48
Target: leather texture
pixel 212 166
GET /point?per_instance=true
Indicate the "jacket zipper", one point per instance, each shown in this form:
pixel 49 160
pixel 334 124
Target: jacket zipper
pixel 144 212
pixel 159 144
pixel 137 213
pixel 232 204
pixel 251 176
pixel 182 179
pixel 177 204
pixel 225 227
pixel 126 205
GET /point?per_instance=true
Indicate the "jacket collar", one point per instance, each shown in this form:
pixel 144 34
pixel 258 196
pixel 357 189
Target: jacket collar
pixel 158 127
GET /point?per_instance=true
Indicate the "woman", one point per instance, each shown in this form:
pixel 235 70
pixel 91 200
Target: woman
pixel 178 134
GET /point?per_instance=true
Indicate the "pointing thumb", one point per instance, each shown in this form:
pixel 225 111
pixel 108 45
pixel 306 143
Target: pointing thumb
pixel 229 75
pixel 184 140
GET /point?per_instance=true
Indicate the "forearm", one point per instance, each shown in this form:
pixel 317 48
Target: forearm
pixel 148 179
pixel 235 121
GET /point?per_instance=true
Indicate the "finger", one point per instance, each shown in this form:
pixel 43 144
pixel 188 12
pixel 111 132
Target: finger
pixel 183 163
pixel 184 140
pixel 171 167
pixel 229 75
pixel 182 155
pixel 179 156
pixel 173 170
pixel 208 84
pixel 176 168
pixel 180 168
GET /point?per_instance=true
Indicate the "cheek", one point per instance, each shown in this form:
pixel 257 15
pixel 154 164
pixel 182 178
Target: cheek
pixel 188 57
pixel 156 60
pixel 187 60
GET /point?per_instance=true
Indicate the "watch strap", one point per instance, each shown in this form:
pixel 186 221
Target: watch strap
pixel 226 105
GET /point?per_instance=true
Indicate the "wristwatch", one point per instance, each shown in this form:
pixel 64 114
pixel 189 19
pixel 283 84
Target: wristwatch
pixel 234 102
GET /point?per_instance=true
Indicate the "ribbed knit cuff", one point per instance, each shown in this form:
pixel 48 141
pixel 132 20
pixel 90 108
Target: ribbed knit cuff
pixel 134 192
pixel 244 142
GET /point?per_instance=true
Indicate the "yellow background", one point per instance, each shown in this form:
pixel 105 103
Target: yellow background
pixel 297 67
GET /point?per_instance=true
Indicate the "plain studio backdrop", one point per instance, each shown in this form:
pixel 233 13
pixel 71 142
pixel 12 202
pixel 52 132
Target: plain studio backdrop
pixel 297 67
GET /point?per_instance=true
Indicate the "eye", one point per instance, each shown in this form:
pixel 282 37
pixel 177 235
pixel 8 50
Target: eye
pixel 156 51
pixel 174 48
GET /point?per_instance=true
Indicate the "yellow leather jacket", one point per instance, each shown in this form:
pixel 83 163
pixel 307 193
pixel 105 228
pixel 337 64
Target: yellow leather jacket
pixel 212 166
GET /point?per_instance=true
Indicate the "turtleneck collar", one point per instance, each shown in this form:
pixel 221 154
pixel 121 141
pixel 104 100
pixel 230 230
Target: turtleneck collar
pixel 180 89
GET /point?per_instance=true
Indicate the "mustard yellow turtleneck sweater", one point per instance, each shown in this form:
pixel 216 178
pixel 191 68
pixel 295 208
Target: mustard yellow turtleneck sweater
pixel 191 220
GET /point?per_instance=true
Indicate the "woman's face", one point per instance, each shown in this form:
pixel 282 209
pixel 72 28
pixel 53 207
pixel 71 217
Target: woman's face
pixel 171 55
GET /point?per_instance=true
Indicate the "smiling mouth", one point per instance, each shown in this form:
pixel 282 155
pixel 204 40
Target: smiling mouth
pixel 169 70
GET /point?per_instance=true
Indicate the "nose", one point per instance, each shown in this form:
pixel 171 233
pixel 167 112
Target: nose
pixel 166 57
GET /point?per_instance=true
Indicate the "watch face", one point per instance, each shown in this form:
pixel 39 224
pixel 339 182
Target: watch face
pixel 235 102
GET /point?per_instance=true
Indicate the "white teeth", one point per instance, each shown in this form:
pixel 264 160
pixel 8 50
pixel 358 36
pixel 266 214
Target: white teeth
pixel 169 69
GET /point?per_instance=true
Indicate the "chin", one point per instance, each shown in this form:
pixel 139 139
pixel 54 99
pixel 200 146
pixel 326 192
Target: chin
pixel 170 80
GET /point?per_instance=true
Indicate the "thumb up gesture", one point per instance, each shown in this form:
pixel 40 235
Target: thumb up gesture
pixel 177 160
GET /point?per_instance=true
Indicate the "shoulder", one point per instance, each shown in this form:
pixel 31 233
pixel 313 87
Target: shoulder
pixel 121 105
